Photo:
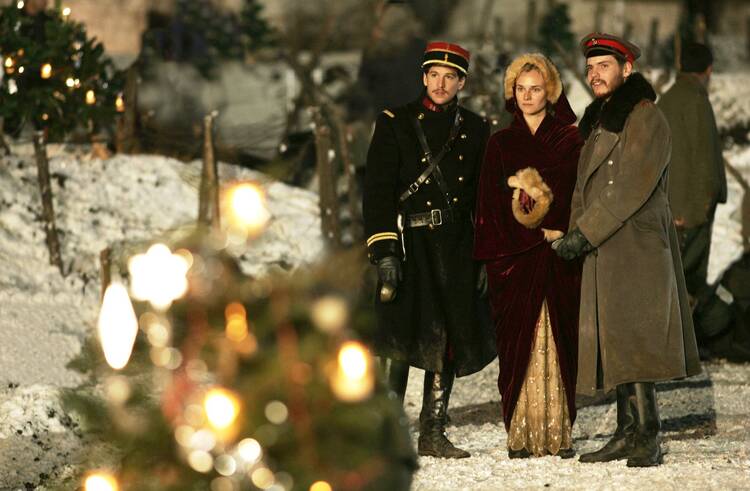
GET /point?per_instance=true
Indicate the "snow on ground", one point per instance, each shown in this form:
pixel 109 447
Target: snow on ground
pixel 44 317
pixel 705 431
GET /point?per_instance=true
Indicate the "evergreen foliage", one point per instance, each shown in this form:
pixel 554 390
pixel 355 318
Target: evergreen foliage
pixel 286 361
pixel 55 77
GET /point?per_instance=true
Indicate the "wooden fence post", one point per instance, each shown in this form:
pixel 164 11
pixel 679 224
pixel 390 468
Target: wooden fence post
pixel 329 207
pixel 208 201
pixel 126 140
pixel 48 210
pixel 105 263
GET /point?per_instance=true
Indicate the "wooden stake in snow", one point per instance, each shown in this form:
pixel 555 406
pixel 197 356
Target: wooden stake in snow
pixel 208 206
pixel 126 140
pixel 329 207
pixel 105 262
pixel 48 211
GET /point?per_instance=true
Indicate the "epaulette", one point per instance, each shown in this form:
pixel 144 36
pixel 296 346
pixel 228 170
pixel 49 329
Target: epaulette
pixel 388 113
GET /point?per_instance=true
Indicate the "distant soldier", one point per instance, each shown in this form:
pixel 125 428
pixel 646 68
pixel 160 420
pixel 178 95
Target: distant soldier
pixel 420 186
pixel 697 181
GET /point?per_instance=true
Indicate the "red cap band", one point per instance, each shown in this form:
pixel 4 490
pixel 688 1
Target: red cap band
pixel 449 48
pixel 612 44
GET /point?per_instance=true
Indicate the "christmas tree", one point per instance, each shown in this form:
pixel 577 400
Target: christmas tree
pixel 55 78
pixel 237 383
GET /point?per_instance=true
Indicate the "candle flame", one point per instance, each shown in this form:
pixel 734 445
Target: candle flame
pixel 222 408
pixel 100 481
pixel 247 208
pixel 46 71
pixel 353 379
pixel 158 276
pixel 117 326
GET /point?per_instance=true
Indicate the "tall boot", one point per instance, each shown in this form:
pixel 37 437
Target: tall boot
pixel 433 417
pixel 397 374
pixel 620 445
pixel 647 451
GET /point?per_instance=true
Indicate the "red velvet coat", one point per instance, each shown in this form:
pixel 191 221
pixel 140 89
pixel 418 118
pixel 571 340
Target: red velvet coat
pixel 522 268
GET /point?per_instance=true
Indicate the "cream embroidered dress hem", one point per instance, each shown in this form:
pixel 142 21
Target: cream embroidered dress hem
pixel 541 423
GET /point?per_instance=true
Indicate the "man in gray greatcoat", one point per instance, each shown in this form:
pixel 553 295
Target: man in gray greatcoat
pixel 635 324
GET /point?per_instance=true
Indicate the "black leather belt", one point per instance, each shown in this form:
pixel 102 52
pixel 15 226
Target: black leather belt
pixel 432 218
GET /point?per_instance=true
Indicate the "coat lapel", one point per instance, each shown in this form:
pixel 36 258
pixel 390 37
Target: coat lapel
pixel 604 142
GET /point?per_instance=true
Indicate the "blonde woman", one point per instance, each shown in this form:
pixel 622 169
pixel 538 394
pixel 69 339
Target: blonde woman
pixel 523 204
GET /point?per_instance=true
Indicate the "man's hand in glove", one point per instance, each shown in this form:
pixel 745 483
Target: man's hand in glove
pixel 572 245
pixel 482 281
pixel 389 270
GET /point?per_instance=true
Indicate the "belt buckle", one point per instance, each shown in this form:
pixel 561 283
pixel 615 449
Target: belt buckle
pixel 436 216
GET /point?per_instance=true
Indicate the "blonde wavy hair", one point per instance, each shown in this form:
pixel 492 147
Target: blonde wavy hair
pixel 534 61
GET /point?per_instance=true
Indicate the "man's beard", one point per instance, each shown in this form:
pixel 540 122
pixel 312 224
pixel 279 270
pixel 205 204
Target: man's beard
pixel 611 88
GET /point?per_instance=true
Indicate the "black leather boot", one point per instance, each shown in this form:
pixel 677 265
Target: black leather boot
pixel 647 451
pixel 397 374
pixel 620 445
pixel 434 415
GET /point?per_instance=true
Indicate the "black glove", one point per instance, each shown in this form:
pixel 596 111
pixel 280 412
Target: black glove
pixel 482 281
pixel 389 270
pixel 571 246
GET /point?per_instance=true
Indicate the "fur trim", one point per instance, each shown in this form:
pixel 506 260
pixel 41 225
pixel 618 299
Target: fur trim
pixel 532 184
pixel 548 70
pixel 613 114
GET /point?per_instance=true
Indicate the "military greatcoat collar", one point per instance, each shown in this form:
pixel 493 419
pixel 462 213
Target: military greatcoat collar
pixel 611 114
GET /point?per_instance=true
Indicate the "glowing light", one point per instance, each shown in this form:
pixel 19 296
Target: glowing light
pixel 276 412
pixel 200 461
pixel 12 87
pixel 46 71
pixel 330 313
pixel 353 379
pixel 225 465
pixel 183 434
pixel 66 11
pixel 236 329
pixel 45 116
pixel 21 69
pixel 120 103
pixel 117 388
pixel 247 211
pixel 90 97
pixel 100 481
pixel 262 477
pixel 70 82
pixel 20 4
pixel 158 276
pixel 222 408
pixel 203 440
pixel 117 326
pixel 250 450
pixel 320 486
pixel 9 62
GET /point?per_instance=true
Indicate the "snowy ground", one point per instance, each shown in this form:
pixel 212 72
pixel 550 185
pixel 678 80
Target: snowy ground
pixel 44 317
pixel 706 434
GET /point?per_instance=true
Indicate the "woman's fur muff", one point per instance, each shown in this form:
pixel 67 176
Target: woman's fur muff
pixel 531 183
pixel 549 72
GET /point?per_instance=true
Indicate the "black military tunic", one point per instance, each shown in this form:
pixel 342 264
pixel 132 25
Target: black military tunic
pixel 436 312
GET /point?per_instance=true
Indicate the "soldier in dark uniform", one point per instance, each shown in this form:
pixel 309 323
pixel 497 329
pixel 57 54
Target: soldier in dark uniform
pixel 418 220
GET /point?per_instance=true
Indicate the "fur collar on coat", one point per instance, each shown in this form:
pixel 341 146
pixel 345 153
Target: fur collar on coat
pixel 612 114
